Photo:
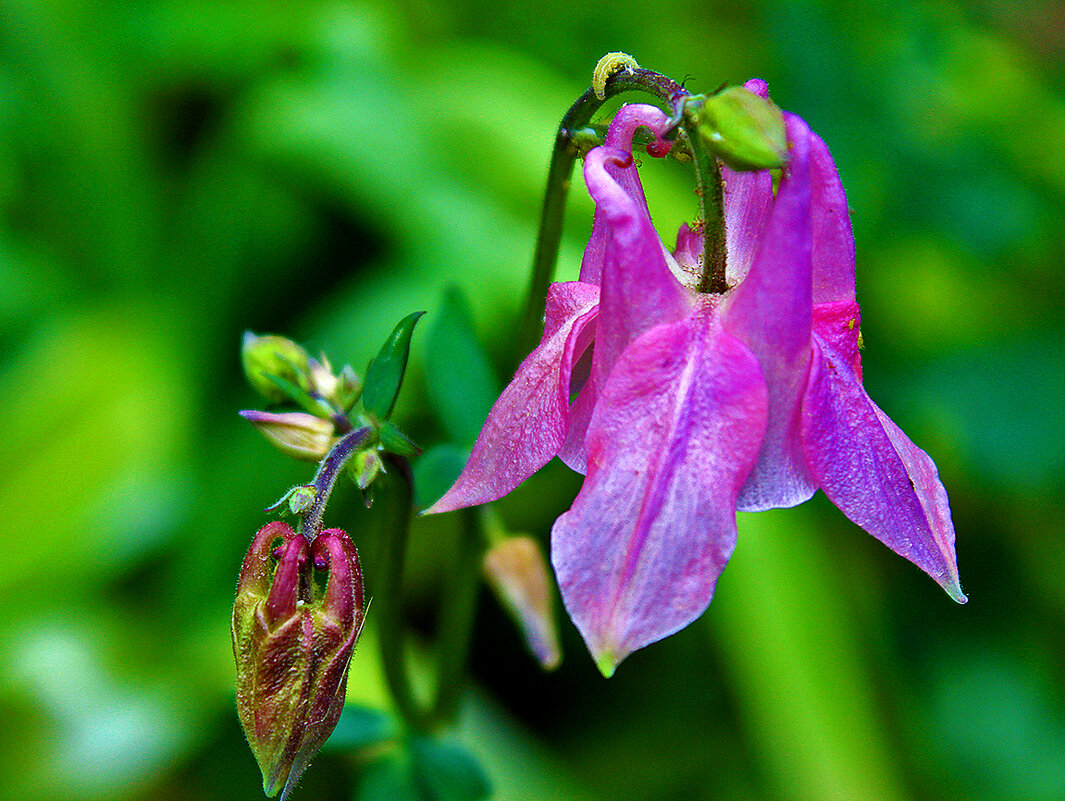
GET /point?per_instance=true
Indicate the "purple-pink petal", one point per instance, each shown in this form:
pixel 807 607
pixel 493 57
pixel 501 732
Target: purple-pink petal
pixel 872 472
pixel 580 414
pixel 638 290
pixel 528 422
pixel 833 249
pixel 675 432
pixel 688 253
pixel 748 196
pixel 771 312
pixel 624 173
pixel 839 324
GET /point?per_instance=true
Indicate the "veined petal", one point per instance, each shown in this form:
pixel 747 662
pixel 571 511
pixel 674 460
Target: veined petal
pixel 619 137
pixel 748 196
pixel 873 473
pixel 528 422
pixel 838 325
pixel 675 432
pixel 833 248
pixel 638 290
pixel 771 313
pixel 580 414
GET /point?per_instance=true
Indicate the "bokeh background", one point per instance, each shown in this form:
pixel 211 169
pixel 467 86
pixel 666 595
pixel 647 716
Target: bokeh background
pixel 173 172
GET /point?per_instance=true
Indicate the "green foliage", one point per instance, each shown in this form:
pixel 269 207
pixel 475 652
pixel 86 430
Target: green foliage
pixel 394 440
pixel 460 380
pixel 437 470
pixel 362 727
pixel 384 374
pixel 424 769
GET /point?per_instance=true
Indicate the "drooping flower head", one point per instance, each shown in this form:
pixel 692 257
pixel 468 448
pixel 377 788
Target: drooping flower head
pixel 699 404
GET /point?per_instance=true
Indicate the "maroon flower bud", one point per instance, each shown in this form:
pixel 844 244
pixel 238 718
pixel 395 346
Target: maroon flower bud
pixel 292 644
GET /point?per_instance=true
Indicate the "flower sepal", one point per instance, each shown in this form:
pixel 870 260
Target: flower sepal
pixel 384 374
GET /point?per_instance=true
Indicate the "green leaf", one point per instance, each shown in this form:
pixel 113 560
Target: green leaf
pixel 384 375
pixel 424 769
pixel 390 778
pixel 461 383
pixel 395 441
pixel 446 771
pixel 361 727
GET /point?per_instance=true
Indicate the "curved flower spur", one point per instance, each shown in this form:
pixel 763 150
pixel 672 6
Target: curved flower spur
pixel 701 404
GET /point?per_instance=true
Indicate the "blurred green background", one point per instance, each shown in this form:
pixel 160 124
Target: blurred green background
pixel 173 172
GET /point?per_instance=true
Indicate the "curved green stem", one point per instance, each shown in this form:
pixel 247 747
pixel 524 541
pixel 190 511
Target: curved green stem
pixel 387 601
pixel 459 602
pixel 711 190
pixel 457 617
pixel 558 182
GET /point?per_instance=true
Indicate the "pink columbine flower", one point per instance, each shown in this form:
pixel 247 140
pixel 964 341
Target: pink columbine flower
pixel 696 405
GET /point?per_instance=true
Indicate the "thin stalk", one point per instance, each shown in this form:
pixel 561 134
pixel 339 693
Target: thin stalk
pixel 325 479
pixel 457 617
pixel 711 191
pixel 387 599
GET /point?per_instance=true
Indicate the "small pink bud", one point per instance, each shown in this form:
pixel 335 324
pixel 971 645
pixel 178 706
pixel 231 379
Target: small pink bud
pixel 296 434
pixel 518 573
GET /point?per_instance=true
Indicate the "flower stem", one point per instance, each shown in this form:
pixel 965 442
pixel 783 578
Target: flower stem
pixel 325 479
pixel 558 182
pixel 711 191
pixel 387 599
pixel 457 617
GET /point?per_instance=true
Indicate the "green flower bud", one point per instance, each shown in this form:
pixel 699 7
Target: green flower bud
pixel 744 130
pixel 292 645
pixel 270 355
pixel 302 498
pixel 349 388
pixel 365 467
pixel 296 501
pixel 323 382
pixel 296 434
